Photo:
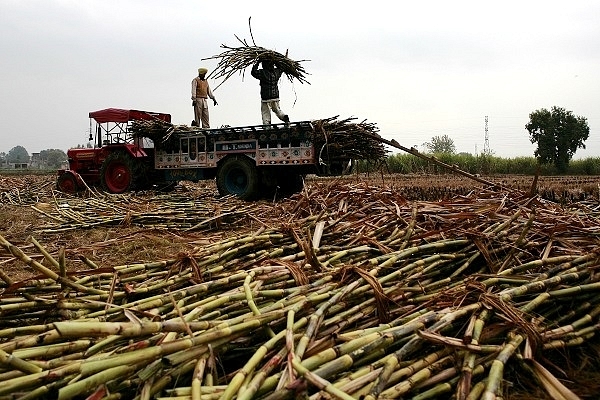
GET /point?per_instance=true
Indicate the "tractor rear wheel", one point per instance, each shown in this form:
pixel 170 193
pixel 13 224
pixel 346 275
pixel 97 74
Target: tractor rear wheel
pixel 117 173
pixel 238 176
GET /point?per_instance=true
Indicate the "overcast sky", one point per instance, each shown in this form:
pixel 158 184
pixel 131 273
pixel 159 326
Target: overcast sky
pixel 417 69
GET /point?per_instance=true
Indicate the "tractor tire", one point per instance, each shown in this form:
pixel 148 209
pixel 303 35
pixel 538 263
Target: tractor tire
pixel 67 183
pixel 238 176
pixel 117 173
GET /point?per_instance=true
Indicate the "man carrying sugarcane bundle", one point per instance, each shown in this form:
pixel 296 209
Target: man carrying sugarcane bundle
pixel 200 93
pixel 269 90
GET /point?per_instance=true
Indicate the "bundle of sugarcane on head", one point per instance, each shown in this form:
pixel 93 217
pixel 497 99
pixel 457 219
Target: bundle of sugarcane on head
pixel 236 59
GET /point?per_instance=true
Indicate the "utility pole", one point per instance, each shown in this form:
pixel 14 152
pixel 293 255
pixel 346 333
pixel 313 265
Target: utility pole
pixel 486 143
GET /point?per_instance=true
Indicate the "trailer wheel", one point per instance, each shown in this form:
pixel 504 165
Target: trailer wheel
pixel 238 176
pixel 117 173
pixel 67 183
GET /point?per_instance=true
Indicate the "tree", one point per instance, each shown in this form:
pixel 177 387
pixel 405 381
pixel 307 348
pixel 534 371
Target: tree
pixel 17 155
pixel 441 145
pixel 53 158
pixel 558 134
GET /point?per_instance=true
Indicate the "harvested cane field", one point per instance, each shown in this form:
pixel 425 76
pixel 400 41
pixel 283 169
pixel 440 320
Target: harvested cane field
pixel 373 287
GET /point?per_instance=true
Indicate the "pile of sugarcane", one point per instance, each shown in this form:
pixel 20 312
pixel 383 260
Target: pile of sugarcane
pixel 157 130
pixel 354 293
pixel 356 140
pixel 235 60
pixel 333 137
pixel 23 190
pixel 163 211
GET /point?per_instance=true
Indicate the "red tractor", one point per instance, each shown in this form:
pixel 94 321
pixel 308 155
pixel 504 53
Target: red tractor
pixel 117 161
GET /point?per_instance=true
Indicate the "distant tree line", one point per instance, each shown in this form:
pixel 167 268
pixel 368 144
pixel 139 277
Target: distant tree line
pixel 50 158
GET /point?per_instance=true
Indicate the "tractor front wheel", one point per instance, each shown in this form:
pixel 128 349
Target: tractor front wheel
pixel 117 173
pixel 238 175
pixel 67 183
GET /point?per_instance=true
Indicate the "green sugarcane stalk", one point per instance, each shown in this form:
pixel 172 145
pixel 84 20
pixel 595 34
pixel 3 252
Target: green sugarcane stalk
pixel 573 326
pixel 519 241
pixel 317 317
pixel 410 228
pixel 458 343
pixel 24 330
pixel 42 392
pixel 52 350
pixel 497 369
pixel 15 251
pixel 409 384
pixel 464 384
pixel 248 391
pixel 238 379
pixel 563 344
pixel 169 377
pixel 444 387
pixel 319 382
pixel 90 367
pixel 328 355
pixel 51 336
pixel 325 365
pixel 250 300
pixel 359 382
pixel 536 264
pixel 11 360
pixel 591 287
pixel 33 380
pixel 74 389
pixel 196 389
pixel 545 284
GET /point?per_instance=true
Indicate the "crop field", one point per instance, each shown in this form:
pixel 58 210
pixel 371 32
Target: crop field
pixel 367 286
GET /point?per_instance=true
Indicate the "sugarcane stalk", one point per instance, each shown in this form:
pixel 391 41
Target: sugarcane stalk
pixel 319 382
pixel 32 380
pixel 497 368
pixel 409 384
pixel 17 362
pixel 250 300
pixel 238 379
pixel 43 270
pixel 76 388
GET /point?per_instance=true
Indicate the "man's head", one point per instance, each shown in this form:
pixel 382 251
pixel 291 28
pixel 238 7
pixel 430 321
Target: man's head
pixel 202 72
pixel 268 65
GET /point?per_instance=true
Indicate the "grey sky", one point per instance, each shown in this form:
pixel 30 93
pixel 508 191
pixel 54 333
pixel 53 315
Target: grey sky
pixel 416 69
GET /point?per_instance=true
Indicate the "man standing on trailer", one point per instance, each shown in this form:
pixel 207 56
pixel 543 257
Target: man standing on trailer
pixel 269 91
pixel 200 93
